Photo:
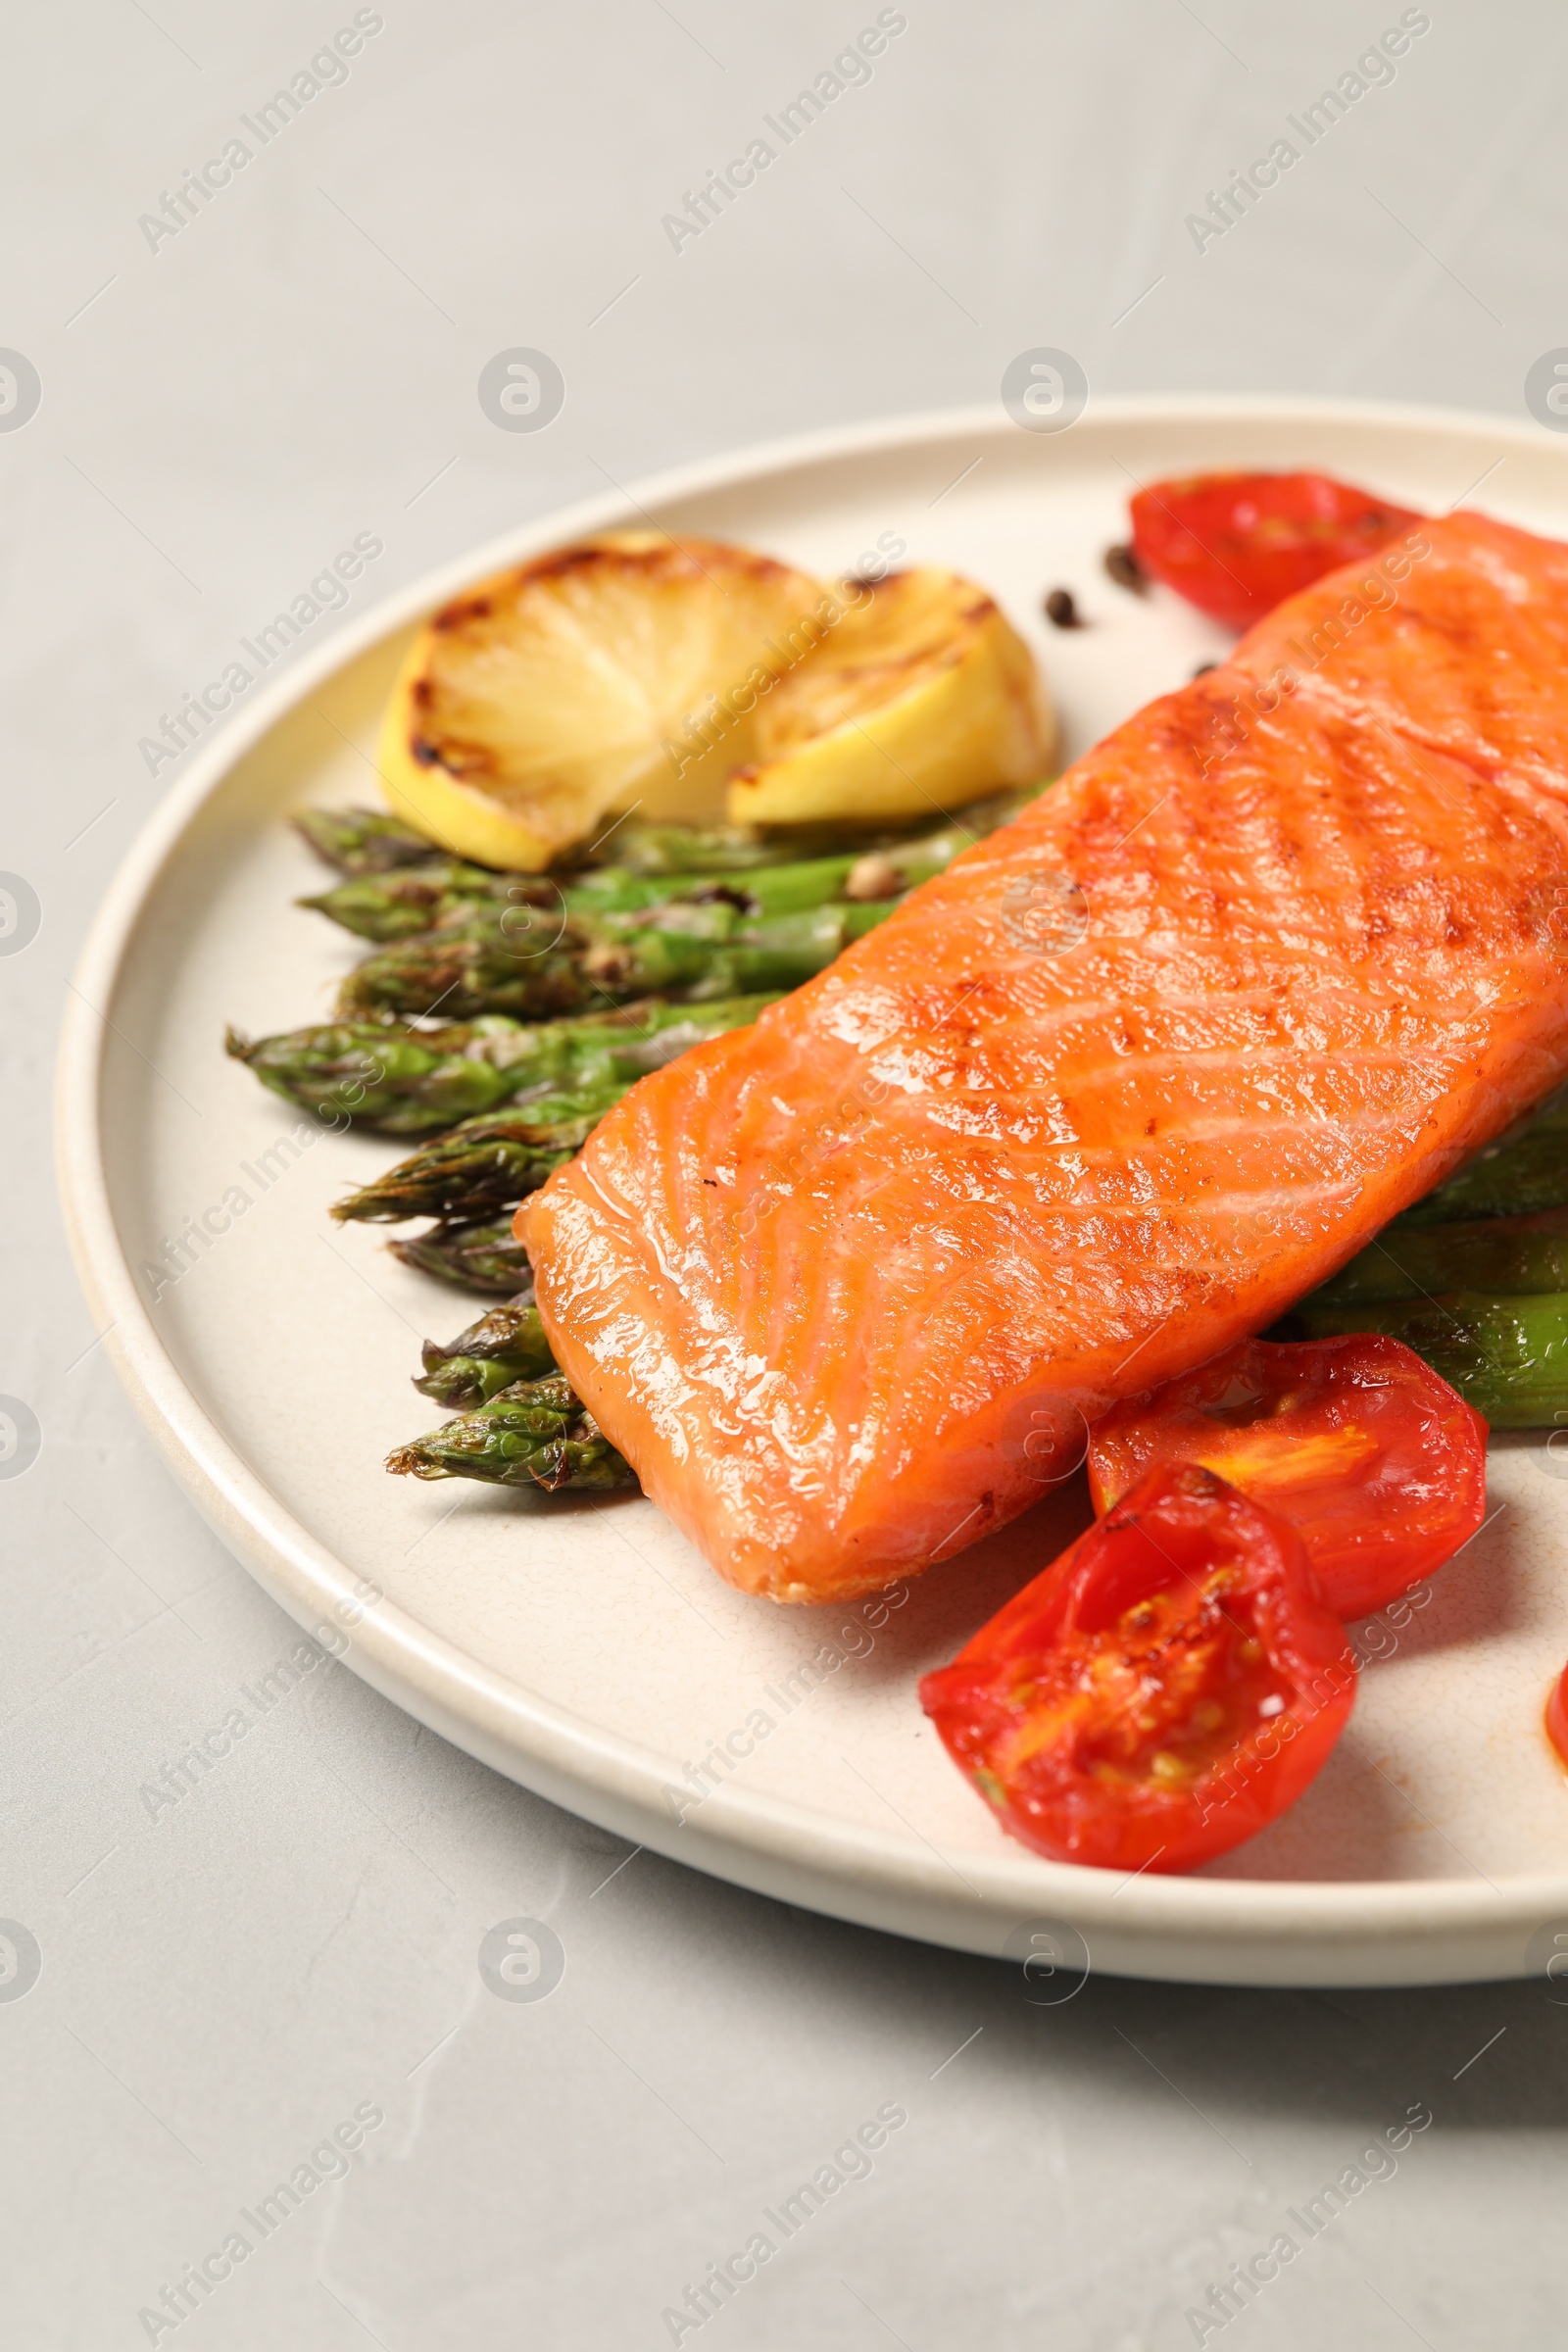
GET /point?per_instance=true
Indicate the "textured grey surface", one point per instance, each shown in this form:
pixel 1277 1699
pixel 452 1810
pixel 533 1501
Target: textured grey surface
pixel 228 1979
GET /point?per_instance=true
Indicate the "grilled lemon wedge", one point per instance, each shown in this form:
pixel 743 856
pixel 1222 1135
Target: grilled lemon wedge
pixel 920 697
pixel 638 670
pixel 545 698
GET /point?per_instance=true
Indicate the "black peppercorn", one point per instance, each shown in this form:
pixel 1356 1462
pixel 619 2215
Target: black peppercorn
pixel 1126 571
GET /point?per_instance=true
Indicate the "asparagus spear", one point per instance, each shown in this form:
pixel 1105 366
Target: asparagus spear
pixel 506 1345
pixel 482 966
pixel 361 841
pixel 407 900
pixel 482 1257
pixel 650 849
pixel 1507 1356
pixel 1523 1174
pixel 365 841
pixel 697 952
pixel 534 1433
pixel 405 1081
pixel 717 848
pixel 444 892
pixel 469 969
pixel 1514 1255
pixel 491 1162
pixel 479 1168
pixel 398 1080
pixel 1475 1278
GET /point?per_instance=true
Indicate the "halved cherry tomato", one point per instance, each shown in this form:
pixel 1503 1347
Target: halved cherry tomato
pixel 1163 1691
pixel 1236 544
pixel 1376 1460
pixel 1557 1716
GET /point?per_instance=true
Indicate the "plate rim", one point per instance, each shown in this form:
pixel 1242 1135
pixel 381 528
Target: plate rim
pixel 1241 1931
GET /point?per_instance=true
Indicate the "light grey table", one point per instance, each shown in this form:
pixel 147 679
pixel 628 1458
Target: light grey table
pixel 229 1979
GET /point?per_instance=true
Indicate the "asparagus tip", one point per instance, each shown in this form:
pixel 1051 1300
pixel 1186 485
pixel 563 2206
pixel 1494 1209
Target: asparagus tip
pixel 406 1461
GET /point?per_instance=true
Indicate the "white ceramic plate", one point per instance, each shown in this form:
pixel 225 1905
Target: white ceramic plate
pixel 588 1651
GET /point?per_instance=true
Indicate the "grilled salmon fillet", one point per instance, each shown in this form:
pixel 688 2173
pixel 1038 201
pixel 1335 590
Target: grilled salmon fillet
pixel 1137 1071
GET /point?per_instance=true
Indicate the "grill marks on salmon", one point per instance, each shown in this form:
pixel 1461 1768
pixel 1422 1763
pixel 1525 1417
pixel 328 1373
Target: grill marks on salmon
pixel 845 1286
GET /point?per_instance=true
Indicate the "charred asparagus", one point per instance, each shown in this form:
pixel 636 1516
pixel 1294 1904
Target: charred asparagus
pixel 401 1080
pixel 533 1433
pixel 506 1345
pixel 485 1257
pixel 685 952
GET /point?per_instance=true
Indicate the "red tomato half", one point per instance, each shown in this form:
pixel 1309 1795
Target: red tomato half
pixel 1236 544
pixel 1557 1716
pixel 1378 1463
pixel 1163 1691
